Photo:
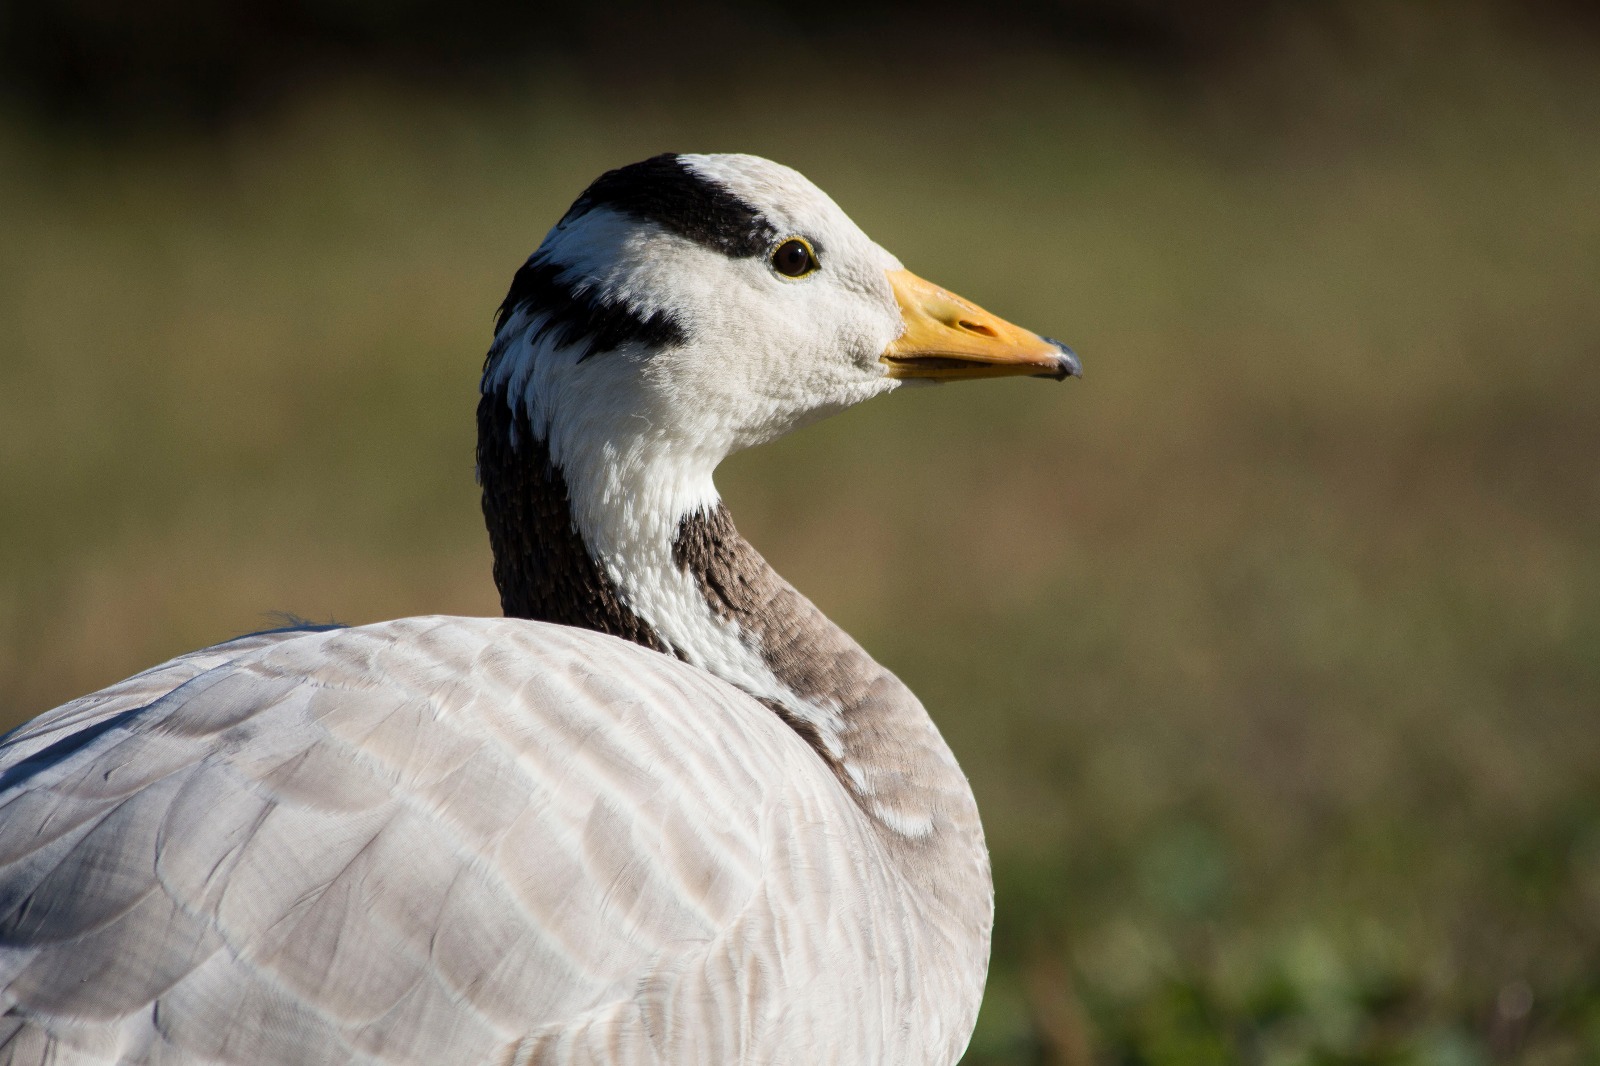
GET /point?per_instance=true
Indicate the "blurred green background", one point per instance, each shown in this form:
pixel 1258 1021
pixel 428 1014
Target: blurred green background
pixel 1272 647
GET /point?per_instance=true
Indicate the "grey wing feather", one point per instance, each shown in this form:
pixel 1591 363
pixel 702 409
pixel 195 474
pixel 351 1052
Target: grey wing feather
pixel 426 841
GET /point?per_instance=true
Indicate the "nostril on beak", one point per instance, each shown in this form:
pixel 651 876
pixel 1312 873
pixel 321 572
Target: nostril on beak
pixel 976 327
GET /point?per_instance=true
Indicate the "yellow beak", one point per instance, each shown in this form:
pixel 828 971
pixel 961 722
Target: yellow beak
pixel 947 338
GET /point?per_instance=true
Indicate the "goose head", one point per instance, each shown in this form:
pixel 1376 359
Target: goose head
pixel 684 308
pixel 689 306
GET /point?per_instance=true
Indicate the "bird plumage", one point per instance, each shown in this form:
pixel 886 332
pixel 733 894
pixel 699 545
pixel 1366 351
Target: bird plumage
pixel 441 840
pixel 664 812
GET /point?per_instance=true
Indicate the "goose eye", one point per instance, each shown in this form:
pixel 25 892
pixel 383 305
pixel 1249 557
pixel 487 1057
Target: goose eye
pixel 794 258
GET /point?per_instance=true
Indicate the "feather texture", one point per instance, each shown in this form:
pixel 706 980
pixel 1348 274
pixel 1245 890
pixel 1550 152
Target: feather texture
pixel 449 840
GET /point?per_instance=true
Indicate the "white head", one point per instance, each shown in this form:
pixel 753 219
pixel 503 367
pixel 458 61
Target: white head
pixel 686 307
pixel 659 320
pixel 689 306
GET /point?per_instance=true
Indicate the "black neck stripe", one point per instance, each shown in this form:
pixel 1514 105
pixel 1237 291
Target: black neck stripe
pixel 664 190
pixel 541 564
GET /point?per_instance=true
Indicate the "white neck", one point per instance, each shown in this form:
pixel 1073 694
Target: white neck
pixel 629 511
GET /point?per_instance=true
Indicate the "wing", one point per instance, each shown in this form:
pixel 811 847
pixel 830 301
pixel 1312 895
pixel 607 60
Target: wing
pixel 425 841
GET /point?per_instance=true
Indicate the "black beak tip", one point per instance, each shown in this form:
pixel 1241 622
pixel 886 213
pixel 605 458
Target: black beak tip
pixel 1068 364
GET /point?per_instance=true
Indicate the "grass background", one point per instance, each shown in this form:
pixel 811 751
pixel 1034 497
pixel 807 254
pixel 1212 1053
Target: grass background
pixel 1272 647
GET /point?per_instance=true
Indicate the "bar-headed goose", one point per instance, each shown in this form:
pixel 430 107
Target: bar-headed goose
pixel 663 812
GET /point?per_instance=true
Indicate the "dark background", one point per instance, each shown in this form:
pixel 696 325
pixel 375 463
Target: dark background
pixel 1272 647
pixel 104 64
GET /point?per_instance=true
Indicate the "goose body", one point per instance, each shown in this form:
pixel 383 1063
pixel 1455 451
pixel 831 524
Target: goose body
pixel 665 812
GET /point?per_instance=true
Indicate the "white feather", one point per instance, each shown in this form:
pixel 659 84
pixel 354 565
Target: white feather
pixel 449 840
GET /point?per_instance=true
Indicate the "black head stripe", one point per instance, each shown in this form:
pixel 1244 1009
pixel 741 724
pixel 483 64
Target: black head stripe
pixel 576 313
pixel 664 190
